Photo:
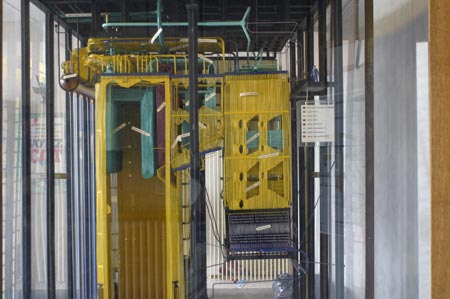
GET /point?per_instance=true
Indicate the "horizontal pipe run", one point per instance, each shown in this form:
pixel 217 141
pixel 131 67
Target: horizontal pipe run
pixel 240 23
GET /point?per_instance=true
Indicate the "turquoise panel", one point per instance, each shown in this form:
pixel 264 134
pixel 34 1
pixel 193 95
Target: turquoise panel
pixel 148 125
pixel 254 143
pixel 146 99
pixel 275 139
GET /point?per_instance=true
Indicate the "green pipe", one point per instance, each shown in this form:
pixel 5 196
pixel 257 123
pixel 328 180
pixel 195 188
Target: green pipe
pixel 240 23
pixel 258 59
pixel 159 21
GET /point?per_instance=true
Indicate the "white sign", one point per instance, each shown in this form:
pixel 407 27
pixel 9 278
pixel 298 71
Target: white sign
pixel 317 123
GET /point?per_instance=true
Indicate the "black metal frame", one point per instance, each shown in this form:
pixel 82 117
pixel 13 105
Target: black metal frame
pixel 339 146
pixel 309 168
pixel 26 148
pixel 369 132
pixel 50 149
pixel 294 167
pixel 69 170
pixel 325 154
pixel 304 158
pixel 197 280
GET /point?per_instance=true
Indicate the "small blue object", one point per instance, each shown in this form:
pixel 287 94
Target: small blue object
pixel 314 74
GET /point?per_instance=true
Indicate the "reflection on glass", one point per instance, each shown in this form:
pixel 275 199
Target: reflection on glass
pixel 12 153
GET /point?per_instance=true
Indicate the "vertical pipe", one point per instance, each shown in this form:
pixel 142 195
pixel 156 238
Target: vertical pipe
pixel 325 181
pixel 310 240
pixel 26 148
pixel 69 167
pixel 300 54
pixel 369 111
pixel 339 147
pixel 50 149
pixel 292 64
pixel 197 286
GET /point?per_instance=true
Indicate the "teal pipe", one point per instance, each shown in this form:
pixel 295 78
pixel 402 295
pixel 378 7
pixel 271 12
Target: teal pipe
pixel 159 21
pixel 240 23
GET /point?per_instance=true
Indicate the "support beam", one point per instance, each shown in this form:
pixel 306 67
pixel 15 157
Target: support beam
pixel 69 182
pixel 197 284
pixel 26 148
pixel 310 196
pixel 50 149
pixel 303 218
pixel 325 155
pixel 124 16
pixel 95 18
pixel 86 198
pixel 369 149
pixel 339 147
pixel 439 58
pixel 323 71
pixel 294 153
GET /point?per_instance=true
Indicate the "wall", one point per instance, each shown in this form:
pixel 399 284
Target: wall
pixel 398 27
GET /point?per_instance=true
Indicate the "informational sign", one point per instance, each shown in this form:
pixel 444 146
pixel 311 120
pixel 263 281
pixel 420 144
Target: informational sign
pixel 317 123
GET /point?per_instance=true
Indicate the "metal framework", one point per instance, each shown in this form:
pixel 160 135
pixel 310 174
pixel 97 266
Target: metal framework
pixel 303 173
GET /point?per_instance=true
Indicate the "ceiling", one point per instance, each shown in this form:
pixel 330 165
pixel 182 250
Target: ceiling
pixel 270 23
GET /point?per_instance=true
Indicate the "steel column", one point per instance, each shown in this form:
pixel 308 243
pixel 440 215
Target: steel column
pixel 325 153
pixel 303 221
pixel 69 170
pixel 26 148
pixel 294 147
pixel 197 284
pixel 310 198
pixel 95 15
pixel 50 149
pixel 369 132
pixel 87 195
pixel 93 202
pixel 339 147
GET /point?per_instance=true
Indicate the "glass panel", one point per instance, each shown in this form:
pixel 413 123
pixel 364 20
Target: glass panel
pixel 12 153
pixel 354 148
pixel 38 153
pixel 61 175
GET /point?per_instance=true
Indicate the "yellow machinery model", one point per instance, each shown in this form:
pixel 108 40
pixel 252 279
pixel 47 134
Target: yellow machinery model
pixel 142 154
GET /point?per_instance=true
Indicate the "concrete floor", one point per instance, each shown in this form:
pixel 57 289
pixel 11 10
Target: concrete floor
pixel 260 290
